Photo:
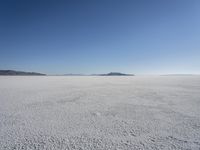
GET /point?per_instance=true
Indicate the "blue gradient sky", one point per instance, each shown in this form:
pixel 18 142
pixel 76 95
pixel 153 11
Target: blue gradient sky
pixel 98 36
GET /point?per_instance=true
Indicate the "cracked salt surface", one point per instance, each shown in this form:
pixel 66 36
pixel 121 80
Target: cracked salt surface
pixel 83 113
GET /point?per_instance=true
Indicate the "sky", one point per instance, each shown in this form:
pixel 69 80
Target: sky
pixel 100 36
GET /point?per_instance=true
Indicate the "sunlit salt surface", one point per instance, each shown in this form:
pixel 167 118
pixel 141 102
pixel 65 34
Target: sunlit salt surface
pixel 135 112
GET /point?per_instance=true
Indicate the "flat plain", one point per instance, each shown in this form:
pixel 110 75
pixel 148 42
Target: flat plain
pixel 95 113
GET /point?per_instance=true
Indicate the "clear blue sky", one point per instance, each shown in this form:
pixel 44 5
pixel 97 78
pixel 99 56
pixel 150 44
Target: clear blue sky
pixel 99 36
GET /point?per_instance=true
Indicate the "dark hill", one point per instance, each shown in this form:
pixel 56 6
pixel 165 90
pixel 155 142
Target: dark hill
pixel 13 72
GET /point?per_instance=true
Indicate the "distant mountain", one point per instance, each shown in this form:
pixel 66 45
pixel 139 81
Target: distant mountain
pixel 116 74
pixel 14 72
pixel 72 74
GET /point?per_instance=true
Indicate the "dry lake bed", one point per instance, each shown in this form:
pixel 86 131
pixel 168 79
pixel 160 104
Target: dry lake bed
pixel 99 113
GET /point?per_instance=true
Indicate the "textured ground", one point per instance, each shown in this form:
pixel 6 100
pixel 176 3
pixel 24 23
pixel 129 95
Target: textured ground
pixel 116 113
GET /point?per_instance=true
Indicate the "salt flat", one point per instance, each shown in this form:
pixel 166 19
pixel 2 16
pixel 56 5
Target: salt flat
pixel 135 112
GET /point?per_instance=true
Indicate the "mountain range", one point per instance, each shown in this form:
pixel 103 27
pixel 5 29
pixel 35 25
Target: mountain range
pixel 14 72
